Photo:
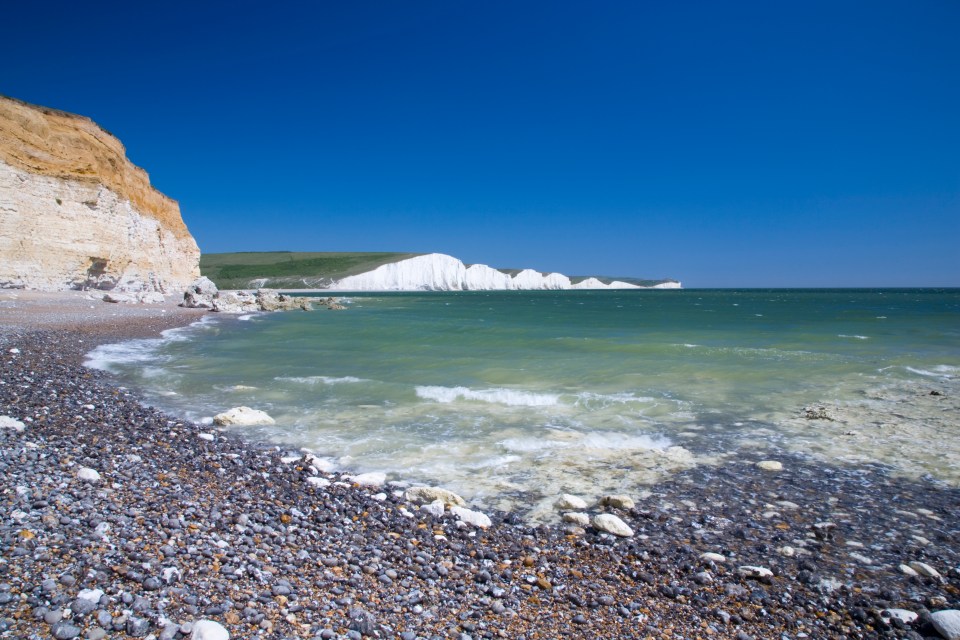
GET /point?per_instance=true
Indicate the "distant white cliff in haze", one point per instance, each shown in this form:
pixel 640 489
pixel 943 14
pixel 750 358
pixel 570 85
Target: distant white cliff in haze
pixel 440 272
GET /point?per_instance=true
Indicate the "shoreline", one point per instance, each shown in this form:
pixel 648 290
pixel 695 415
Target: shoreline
pixel 181 528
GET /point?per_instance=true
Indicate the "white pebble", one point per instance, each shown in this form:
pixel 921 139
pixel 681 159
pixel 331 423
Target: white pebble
pixel 924 569
pixel 209 630
pixel 751 571
pixel 205 436
pixel 6 422
pixel 947 623
pixel 88 475
pixel 713 557
pixel 469 516
pixel 318 482
pixel 770 465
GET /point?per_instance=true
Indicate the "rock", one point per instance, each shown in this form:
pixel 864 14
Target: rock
pixel 317 482
pixel 78 214
pixel 610 523
pixel 947 623
pixel 63 630
pixel 151 297
pixel 435 508
pixel 426 495
pixel 242 416
pixel 235 302
pixel 578 518
pixel 924 569
pixel 372 479
pixel 323 465
pixel 713 557
pixel 618 502
pixel 750 571
pixel 903 615
pixel 770 465
pixel 120 298
pixel 471 517
pixel 567 502
pixel 209 630
pixel 194 300
pixel 6 422
pixel 88 475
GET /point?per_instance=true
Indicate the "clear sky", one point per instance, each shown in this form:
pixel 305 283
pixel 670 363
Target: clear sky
pixel 721 143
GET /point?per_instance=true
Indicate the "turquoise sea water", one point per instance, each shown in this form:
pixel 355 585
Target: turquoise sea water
pixel 525 395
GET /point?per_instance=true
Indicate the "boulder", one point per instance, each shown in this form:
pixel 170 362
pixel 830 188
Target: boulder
pixel 235 302
pixel 609 523
pixel 426 495
pixel 203 286
pixel 242 416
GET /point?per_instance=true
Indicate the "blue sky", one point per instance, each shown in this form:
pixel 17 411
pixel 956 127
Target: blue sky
pixel 720 143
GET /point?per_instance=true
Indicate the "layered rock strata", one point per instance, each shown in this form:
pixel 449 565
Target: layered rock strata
pixel 76 213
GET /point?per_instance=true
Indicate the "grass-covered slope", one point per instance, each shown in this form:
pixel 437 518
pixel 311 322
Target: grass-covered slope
pixel 289 270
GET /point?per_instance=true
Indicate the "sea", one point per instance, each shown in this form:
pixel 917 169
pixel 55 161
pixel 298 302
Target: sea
pixel 512 398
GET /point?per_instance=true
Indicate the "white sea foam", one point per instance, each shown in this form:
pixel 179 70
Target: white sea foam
pixel 593 441
pixel 843 335
pixel 509 397
pixel 939 371
pixel 142 349
pixel 322 379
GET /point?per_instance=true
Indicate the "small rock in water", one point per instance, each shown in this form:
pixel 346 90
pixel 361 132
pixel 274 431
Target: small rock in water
pixel 612 524
pixel 426 495
pixel 618 502
pixel 947 623
pixel 372 479
pixel 770 465
pixel 88 475
pixel 242 416
pixel 209 630
pixel 577 518
pixel 469 516
pixel 567 502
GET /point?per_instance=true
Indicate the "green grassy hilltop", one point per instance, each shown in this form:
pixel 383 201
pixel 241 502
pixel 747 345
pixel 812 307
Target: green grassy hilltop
pixel 288 269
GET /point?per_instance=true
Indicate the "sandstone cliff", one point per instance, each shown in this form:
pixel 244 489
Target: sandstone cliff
pixel 76 213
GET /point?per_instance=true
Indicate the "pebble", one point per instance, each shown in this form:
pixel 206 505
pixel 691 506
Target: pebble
pixel 947 623
pixel 610 523
pixel 7 422
pixel 924 569
pixel 769 465
pixel 428 495
pixel 577 518
pixel 568 502
pixel 88 475
pixel 618 502
pixel 471 517
pixel 208 630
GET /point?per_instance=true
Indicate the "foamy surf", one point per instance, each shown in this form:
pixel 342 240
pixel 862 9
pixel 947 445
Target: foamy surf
pixel 508 397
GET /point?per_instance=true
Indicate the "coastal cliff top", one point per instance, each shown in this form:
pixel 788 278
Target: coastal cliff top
pixel 67 146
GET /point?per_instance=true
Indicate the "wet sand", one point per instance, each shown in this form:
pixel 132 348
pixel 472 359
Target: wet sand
pixel 189 523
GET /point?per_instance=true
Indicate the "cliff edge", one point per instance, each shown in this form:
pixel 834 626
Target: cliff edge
pixel 76 213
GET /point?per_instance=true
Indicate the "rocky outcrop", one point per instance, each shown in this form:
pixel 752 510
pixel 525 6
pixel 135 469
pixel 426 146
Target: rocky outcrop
pixel 440 272
pixel 76 213
pixel 203 294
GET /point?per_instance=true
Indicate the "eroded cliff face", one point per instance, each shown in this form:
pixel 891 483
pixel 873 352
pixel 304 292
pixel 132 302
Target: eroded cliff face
pixel 76 213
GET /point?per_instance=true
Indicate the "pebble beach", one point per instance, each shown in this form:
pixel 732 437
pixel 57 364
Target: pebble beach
pixel 120 521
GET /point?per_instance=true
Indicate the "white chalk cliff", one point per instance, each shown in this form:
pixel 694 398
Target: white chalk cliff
pixel 439 272
pixel 76 213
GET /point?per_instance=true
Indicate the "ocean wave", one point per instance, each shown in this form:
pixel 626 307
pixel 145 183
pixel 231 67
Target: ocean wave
pixel 142 349
pixel 509 397
pixel 939 371
pixel 591 441
pixel 843 335
pixel 322 379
